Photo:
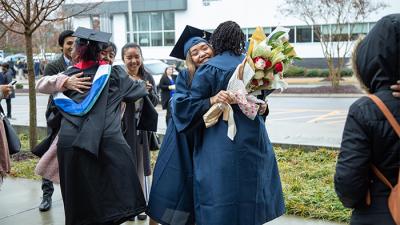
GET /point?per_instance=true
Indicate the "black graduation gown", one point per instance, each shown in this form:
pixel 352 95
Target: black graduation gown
pixel 98 178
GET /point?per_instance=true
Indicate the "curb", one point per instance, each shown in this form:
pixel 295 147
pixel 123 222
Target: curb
pixel 336 95
pixel 42 132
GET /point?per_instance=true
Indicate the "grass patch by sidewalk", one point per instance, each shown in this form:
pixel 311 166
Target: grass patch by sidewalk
pixel 307 179
pixel 23 163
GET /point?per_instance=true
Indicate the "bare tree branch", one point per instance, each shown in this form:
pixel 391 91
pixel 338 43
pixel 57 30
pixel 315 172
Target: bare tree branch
pixel 25 17
pixel 339 18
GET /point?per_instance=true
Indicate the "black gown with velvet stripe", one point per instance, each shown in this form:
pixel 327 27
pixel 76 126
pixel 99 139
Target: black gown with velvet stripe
pixel 98 178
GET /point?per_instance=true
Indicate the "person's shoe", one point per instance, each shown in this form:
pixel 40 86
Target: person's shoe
pixel 132 218
pixel 45 205
pixel 142 217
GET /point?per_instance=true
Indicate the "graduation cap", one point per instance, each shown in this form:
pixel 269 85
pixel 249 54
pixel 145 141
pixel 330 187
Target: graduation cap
pixel 92 35
pixel 190 36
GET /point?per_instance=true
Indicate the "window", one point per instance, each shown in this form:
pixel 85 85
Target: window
pixel 371 25
pixel 358 29
pixel 303 34
pixel 291 34
pixel 251 31
pixel 156 39
pixel 144 39
pixel 156 21
pixel 317 33
pixel 324 32
pixel 153 28
pixel 169 20
pixel 169 38
pixel 267 30
pixel 340 32
pixel 144 21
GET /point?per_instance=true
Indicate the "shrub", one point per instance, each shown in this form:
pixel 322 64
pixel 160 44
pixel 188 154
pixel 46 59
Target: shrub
pixel 313 73
pixel 325 73
pixel 19 86
pixel 295 71
pixel 346 72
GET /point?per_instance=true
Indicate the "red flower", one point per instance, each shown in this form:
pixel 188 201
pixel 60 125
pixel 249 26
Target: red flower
pixel 265 82
pixel 254 82
pixel 268 64
pixel 257 58
pixel 278 67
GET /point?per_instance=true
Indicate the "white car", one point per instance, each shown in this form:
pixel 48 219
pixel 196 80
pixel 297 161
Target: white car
pixel 154 67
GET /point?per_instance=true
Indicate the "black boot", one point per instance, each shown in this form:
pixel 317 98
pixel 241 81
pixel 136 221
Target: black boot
pixel 48 189
pixel 142 217
pixel 45 205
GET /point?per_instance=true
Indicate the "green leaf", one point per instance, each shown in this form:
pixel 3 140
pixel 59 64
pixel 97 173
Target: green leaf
pixel 286 51
pixel 297 58
pixel 275 36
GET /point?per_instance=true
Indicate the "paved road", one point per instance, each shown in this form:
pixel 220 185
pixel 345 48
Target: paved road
pixel 293 120
pixel 307 121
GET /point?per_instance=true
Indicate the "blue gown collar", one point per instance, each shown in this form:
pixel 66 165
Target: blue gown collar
pixel 225 61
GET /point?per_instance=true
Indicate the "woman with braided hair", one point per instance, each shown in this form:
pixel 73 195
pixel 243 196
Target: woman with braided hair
pixel 235 182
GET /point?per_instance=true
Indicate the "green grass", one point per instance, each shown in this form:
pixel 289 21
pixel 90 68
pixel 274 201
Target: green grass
pixel 24 168
pixel 23 164
pixel 307 180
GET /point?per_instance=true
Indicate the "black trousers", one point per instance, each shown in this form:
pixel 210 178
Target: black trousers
pixel 8 102
pixel 47 188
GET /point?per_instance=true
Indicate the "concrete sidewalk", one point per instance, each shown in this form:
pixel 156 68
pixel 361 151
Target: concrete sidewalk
pixel 19 200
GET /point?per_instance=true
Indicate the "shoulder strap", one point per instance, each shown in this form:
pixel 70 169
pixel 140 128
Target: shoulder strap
pixel 381 176
pixel 389 116
pixel 393 122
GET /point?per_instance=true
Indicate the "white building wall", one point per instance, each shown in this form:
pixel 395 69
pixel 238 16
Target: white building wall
pixel 81 22
pixel 248 14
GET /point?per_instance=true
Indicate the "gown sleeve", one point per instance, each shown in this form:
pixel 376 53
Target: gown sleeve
pixel 188 106
pixel 351 178
pixel 153 95
pixel 131 90
pixel 51 84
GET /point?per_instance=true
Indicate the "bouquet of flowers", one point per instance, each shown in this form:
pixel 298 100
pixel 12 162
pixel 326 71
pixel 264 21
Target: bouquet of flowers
pixel 266 60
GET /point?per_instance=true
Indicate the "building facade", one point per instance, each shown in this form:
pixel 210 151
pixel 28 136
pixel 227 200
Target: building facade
pixel 157 24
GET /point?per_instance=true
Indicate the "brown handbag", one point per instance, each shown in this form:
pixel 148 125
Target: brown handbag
pixel 394 197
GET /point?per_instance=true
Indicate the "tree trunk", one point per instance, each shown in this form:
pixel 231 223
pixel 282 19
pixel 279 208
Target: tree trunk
pixel 32 92
pixel 334 73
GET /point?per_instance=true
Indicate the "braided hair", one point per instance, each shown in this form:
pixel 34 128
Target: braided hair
pixel 228 37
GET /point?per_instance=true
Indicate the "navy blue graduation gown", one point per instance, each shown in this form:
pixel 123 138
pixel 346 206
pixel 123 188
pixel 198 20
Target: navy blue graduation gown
pixel 171 195
pixel 235 182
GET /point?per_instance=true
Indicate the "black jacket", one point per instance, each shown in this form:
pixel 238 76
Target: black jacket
pixel 165 91
pixel 53 116
pixel 368 138
pixel 55 67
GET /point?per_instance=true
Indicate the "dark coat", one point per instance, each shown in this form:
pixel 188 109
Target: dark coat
pixel 53 116
pixel 235 182
pixel 145 126
pixel 98 178
pixel 171 197
pixel 368 138
pixel 5 78
pixel 55 67
pixel 165 91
